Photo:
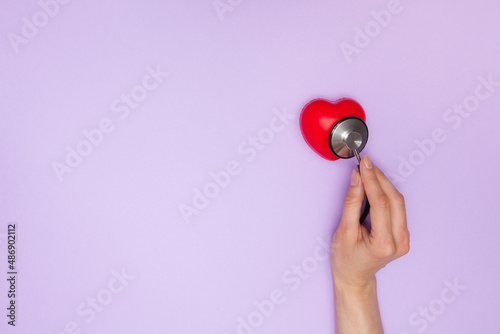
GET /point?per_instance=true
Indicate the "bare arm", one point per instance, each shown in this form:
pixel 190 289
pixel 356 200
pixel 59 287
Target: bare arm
pixel 358 254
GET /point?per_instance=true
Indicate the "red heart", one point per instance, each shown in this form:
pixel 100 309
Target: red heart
pixel 319 117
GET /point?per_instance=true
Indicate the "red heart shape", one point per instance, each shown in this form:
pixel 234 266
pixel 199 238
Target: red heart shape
pixel 318 118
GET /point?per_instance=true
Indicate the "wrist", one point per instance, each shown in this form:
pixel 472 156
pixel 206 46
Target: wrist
pixel 356 307
pixel 355 288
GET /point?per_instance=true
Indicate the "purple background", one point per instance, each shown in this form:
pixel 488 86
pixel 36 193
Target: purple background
pixel 120 207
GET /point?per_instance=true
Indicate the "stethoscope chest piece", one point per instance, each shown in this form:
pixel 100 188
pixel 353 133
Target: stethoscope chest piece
pixel 348 136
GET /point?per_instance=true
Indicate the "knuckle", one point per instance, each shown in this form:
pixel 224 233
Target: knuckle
pixel 399 199
pixel 344 235
pixel 350 200
pixel 404 244
pixel 405 249
pixel 382 201
pixel 386 249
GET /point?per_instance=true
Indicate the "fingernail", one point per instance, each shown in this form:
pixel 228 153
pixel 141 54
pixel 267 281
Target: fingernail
pixel 354 178
pixel 368 162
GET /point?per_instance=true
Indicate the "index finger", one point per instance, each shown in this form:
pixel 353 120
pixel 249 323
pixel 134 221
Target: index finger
pixel 398 209
pixel 398 213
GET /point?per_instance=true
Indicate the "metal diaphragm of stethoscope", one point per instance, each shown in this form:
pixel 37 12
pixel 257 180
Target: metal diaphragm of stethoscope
pixel 336 130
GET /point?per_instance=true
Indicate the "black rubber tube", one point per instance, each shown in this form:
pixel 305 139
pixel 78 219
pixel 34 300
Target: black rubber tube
pixel 365 210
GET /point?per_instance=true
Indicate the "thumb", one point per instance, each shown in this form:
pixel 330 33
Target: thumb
pixel 353 203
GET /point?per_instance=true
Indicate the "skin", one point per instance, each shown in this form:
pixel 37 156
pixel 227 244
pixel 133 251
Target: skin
pixel 357 254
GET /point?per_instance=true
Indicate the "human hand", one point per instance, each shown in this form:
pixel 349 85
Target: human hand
pixel 356 253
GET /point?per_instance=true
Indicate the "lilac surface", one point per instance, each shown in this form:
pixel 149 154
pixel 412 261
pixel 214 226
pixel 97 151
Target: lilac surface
pixel 119 209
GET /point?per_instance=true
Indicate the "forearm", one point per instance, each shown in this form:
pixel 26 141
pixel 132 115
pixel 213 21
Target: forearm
pixel 356 309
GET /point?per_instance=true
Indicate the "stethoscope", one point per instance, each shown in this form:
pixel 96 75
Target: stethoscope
pixel 336 130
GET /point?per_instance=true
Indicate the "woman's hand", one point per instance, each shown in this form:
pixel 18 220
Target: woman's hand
pixel 358 254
